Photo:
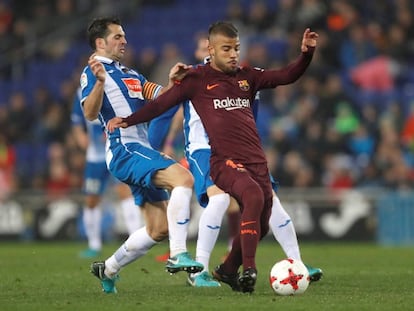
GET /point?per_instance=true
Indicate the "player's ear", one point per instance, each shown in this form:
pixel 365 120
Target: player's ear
pixel 100 42
pixel 210 50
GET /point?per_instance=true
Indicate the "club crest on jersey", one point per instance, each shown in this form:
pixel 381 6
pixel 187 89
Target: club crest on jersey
pixel 83 80
pixel 244 85
pixel 134 87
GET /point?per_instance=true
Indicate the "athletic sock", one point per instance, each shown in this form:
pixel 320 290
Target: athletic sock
pixel 251 199
pixel 284 230
pixel 209 227
pixel 92 218
pixel 178 215
pixel 133 248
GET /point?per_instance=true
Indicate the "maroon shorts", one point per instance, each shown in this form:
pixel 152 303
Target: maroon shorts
pixel 225 173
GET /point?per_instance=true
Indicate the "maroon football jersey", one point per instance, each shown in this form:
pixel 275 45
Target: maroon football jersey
pixel 224 104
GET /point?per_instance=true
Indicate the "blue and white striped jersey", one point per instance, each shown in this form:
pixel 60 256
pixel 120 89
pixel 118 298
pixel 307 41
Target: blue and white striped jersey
pixel 125 92
pixel 96 146
pixel 194 133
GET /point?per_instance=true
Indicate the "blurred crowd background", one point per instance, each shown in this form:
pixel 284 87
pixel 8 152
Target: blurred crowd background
pixel 347 123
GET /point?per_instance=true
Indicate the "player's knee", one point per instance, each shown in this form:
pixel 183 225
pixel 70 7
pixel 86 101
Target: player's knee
pixel 250 192
pixel 159 234
pixel 253 196
pixel 184 179
pixel 188 180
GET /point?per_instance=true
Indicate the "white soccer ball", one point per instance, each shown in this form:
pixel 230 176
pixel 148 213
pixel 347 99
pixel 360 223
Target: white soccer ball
pixel 289 277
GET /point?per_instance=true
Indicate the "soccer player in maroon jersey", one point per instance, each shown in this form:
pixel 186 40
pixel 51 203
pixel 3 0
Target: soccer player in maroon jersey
pixel 222 93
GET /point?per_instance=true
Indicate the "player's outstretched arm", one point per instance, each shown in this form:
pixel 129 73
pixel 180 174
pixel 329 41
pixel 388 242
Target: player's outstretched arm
pixel 174 96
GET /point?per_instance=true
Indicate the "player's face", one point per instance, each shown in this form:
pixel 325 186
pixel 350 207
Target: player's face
pixel 224 53
pixel 113 46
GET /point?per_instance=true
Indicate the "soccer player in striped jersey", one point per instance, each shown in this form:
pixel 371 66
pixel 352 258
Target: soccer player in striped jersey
pixel 110 89
pixel 90 137
pixel 222 94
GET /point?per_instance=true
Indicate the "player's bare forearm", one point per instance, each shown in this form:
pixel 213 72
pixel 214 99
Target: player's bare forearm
pixel 93 103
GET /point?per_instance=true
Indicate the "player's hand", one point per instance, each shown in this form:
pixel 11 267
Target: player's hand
pixel 309 39
pixel 115 123
pixel 97 68
pixel 178 72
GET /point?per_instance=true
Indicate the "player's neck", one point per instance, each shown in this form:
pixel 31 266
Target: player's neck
pixel 215 67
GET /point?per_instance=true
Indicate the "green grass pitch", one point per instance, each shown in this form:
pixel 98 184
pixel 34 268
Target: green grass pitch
pixel 50 276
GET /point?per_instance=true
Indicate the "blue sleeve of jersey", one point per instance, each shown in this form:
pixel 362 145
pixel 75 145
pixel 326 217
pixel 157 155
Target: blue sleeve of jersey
pixel 87 81
pixel 77 117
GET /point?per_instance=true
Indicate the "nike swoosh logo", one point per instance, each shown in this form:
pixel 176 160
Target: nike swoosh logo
pixel 247 223
pixel 285 224
pixel 183 222
pixel 213 227
pixel 173 261
pixel 211 86
pixel 233 108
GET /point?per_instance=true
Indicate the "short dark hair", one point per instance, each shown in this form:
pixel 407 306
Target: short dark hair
pixel 98 28
pixel 223 28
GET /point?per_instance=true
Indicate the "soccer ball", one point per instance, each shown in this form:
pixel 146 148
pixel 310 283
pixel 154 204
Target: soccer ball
pixel 289 277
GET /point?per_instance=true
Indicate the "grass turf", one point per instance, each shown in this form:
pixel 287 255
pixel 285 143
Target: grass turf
pixel 50 276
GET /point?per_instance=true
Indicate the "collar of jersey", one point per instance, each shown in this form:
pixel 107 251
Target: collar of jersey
pixel 109 61
pixel 104 59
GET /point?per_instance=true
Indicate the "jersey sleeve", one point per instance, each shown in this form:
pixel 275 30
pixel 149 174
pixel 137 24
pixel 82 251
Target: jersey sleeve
pixel 87 81
pixel 150 90
pixel 271 78
pixel 76 116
